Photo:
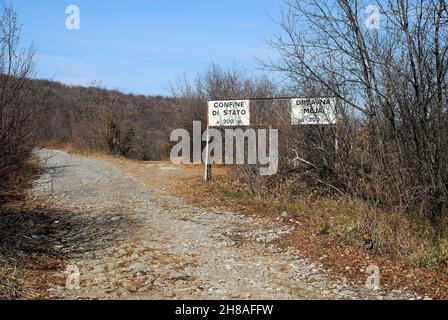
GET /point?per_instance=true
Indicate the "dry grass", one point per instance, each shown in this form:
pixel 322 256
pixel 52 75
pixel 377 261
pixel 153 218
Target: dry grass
pixel 28 259
pixel 11 279
pixel 349 233
pixel 350 221
pixel 355 223
pixel 24 249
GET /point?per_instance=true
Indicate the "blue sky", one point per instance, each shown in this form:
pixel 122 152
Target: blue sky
pixel 140 46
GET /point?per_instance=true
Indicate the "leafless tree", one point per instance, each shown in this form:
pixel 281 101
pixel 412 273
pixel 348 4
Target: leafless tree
pixel 390 76
pixel 16 110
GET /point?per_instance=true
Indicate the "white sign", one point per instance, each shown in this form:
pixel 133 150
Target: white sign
pixel 229 113
pixel 313 111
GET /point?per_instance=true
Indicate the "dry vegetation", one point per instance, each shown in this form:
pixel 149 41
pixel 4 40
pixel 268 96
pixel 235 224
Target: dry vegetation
pixel 392 84
pixel 333 231
pixel 384 189
pixel 28 259
pixel 383 192
pixel 21 259
pixel 16 98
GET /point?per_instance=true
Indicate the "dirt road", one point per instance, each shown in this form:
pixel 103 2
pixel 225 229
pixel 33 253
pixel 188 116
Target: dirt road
pixel 131 239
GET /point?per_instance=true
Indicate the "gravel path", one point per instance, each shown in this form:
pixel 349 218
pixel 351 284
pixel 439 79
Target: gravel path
pixel 132 240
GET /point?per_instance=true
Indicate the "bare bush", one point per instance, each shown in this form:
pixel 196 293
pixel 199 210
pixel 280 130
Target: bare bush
pixel 392 84
pixel 219 84
pixel 16 109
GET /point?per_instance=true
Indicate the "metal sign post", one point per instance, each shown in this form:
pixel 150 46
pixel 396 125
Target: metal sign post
pixel 208 166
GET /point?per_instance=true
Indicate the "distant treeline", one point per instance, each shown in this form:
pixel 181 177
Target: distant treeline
pixel 96 119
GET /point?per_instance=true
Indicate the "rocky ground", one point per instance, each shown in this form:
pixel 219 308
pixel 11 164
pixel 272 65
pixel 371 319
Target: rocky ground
pixel 131 239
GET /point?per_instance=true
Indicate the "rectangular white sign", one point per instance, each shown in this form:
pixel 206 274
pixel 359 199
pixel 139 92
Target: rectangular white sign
pixel 313 111
pixel 229 113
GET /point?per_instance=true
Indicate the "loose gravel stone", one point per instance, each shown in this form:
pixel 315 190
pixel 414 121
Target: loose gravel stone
pixel 133 240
